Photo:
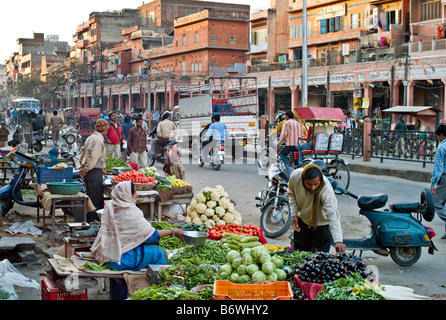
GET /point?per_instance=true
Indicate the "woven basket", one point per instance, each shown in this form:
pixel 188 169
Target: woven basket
pixel 168 194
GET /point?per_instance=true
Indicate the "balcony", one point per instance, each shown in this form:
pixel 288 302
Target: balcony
pixel 427 47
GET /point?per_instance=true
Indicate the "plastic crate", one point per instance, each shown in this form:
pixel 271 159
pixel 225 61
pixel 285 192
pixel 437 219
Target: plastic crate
pixel 278 290
pixel 51 292
pixel 45 175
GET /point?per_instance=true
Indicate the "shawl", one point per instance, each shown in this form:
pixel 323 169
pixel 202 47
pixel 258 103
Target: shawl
pixel 313 217
pixel 123 226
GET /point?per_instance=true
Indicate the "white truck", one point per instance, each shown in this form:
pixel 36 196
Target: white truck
pixel 235 99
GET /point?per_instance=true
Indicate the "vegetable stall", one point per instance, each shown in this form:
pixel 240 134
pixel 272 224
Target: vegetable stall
pixel 232 260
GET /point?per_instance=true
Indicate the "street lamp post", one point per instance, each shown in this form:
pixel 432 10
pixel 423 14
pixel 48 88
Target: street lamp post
pixel 304 56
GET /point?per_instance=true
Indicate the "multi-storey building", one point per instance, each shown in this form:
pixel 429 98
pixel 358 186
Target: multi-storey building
pixel 356 57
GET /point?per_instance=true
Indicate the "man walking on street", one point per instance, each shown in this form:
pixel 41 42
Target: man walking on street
pixel 137 144
pixel 114 137
pixel 56 124
pixel 292 132
pixel 92 162
pixel 438 181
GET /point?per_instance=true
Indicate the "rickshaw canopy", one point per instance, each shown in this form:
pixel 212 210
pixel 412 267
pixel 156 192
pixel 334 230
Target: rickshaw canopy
pixel 321 114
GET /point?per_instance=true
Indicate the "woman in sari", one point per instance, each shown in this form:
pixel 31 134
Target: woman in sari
pixel 126 240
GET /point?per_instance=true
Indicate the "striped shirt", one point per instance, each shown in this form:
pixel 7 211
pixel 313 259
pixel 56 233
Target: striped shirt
pixel 292 131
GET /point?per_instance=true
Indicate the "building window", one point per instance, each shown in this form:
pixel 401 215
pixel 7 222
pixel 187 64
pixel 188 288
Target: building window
pixel 297 31
pixel 213 64
pixel 184 39
pixel 430 9
pixel 196 37
pixel 233 38
pixel 213 37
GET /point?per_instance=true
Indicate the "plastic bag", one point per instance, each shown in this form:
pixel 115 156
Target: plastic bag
pixel 10 277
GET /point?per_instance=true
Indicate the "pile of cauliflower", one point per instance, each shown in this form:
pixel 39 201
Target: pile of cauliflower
pixel 212 207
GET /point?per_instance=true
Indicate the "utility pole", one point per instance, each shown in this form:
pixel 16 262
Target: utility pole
pixel 405 83
pixel 328 90
pixel 392 84
pixel 304 56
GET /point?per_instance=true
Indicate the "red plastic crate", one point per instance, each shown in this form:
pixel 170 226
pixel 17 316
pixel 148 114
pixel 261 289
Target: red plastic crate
pixel 51 292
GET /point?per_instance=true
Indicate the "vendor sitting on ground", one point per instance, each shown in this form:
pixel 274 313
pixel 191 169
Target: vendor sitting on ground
pixel 126 240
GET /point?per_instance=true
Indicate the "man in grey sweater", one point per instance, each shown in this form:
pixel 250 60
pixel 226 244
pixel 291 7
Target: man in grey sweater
pixel 315 217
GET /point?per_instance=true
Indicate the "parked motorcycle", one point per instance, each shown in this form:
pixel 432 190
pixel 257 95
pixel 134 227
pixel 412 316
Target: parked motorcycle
pixel 275 218
pixel 396 231
pixel 11 193
pixel 215 157
pixel 68 141
pixel 266 156
pixel 274 205
pixel 39 141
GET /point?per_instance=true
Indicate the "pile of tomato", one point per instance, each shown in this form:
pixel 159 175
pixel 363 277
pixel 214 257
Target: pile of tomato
pixel 134 176
pixel 246 230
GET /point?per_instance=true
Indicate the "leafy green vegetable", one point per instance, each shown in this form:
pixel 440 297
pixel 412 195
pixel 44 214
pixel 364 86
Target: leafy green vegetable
pixel 212 252
pixel 206 293
pixel 350 288
pixel 156 292
pixel 112 162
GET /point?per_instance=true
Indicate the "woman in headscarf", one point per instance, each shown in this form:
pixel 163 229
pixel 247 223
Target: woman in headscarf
pixel 126 240
pixel 315 217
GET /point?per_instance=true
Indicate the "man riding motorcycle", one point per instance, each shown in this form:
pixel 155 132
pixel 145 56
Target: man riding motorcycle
pixel 166 132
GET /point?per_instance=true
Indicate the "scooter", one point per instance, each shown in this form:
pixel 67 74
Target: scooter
pixel 395 231
pixel 39 140
pixel 215 155
pixel 152 158
pixel 11 193
pixel 68 141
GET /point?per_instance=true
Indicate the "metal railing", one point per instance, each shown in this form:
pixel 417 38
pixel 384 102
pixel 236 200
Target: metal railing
pixel 408 145
pixel 416 146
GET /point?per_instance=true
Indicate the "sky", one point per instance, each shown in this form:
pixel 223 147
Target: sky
pixel 61 18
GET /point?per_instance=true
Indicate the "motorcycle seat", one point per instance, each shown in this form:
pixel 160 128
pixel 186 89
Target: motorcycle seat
pixel 372 202
pixel 404 207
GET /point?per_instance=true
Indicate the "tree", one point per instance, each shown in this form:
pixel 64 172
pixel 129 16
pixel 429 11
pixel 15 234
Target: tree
pixel 29 87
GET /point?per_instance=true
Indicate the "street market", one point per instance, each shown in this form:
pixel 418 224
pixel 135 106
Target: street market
pixel 220 257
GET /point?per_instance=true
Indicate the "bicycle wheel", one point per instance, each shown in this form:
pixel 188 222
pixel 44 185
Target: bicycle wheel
pixel 340 172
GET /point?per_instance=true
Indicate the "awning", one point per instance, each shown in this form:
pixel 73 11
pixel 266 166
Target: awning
pixel 428 110
pixel 321 114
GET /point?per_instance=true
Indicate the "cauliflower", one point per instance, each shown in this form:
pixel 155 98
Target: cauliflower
pixel 197 221
pixel 224 203
pixel 219 188
pixel 237 216
pixel 210 224
pixel 215 218
pixel 209 212
pixel 231 207
pixel 220 211
pixel 228 218
pixel 188 219
pixel 215 195
pixel 193 214
pixel 206 190
pixel 200 208
pixel 193 203
pixel 221 223
pixel 203 217
pixel 211 204
pixel 224 194
pixel 200 198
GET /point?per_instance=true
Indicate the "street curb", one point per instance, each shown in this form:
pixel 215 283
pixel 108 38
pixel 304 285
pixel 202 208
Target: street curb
pixel 413 175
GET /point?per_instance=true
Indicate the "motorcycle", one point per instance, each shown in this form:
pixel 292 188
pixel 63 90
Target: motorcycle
pixel 39 140
pixel 265 155
pixel 215 156
pixel 152 158
pixel 11 193
pixel 396 231
pixel 68 141
pixel 274 205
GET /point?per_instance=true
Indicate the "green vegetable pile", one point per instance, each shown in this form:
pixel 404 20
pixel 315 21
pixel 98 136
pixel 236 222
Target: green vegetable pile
pixel 206 293
pixel 239 242
pixel 163 183
pixel 149 171
pixel 192 227
pixel 193 273
pixel 168 243
pixel 212 252
pixel 156 292
pixel 112 162
pixel 294 257
pixel 354 287
pixel 93 266
pixel 254 265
